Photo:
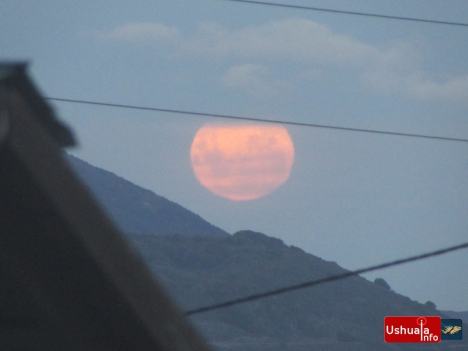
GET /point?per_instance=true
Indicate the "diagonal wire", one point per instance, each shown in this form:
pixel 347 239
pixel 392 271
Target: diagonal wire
pixel 324 280
pixel 351 12
pixel 259 120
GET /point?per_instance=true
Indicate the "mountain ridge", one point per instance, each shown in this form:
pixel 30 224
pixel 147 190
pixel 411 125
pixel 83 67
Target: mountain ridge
pixel 136 210
pixel 347 314
pixel 200 264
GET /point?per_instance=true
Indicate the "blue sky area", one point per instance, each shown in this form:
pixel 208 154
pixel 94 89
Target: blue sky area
pixel 357 199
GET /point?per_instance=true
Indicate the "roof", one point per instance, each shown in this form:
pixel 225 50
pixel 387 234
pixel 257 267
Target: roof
pixel 13 77
pixel 69 280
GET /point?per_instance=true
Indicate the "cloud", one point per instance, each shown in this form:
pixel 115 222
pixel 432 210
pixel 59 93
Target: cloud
pixel 147 32
pixel 298 40
pixel 253 79
pixel 418 84
pixel 450 89
pixel 390 68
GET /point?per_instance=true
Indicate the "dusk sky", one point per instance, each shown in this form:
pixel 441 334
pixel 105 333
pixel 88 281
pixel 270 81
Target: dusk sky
pixel 354 198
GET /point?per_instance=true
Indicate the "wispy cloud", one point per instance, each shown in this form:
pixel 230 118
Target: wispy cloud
pixel 299 40
pixel 418 84
pixel 391 68
pixel 254 79
pixel 455 88
pixel 148 32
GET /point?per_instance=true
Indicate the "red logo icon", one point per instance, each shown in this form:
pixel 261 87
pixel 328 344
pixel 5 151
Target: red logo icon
pixel 412 329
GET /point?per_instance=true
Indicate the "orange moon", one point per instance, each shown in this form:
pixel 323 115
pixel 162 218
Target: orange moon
pixel 242 162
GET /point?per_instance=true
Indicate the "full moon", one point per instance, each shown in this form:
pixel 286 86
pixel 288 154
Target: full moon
pixel 242 162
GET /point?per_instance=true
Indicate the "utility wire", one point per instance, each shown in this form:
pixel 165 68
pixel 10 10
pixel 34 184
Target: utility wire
pixel 259 120
pixel 351 13
pixel 324 280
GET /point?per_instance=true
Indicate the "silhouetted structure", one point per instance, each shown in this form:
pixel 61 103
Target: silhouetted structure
pixel 69 281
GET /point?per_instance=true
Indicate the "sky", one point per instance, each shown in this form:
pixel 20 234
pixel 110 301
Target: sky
pixel 357 199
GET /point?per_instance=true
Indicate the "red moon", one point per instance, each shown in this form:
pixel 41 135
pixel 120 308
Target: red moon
pixel 242 162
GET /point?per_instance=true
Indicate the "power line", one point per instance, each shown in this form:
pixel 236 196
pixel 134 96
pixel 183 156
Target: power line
pixel 324 280
pixel 351 13
pixel 259 120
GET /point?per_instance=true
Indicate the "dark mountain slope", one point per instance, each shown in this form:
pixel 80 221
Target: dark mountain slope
pixel 202 265
pixel 342 315
pixel 137 210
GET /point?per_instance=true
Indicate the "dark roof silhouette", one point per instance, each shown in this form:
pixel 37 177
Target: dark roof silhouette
pixel 69 281
pixel 13 76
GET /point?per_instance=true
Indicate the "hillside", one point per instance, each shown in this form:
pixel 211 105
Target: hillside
pixel 343 315
pixel 200 264
pixel 139 211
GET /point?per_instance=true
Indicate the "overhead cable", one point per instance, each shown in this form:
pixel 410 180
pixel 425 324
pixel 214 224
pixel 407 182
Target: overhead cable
pixel 352 13
pixel 324 280
pixel 300 124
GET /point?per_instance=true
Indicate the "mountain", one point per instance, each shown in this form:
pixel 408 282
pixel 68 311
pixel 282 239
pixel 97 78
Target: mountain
pixel 343 315
pixel 139 211
pixel 200 264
